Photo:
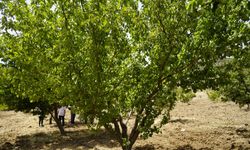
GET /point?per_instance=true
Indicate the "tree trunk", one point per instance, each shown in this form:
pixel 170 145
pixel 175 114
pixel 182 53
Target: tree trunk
pixel 125 141
pixel 58 123
pixel 132 140
pixel 121 135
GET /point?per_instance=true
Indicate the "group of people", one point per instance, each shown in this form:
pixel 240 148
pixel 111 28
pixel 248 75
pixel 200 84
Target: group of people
pixel 61 115
pixel 62 112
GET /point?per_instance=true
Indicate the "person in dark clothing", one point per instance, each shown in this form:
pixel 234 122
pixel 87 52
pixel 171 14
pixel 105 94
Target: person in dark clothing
pixel 72 119
pixel 72 115
pixel 50 119
pixel 41 116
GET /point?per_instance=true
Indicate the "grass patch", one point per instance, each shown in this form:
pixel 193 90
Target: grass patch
pixel 214 95
pixel 3 107
pixel 184 96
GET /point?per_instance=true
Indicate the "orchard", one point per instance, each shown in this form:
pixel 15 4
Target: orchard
pixel 122 61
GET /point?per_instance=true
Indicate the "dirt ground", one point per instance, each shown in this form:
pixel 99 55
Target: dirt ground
pixel 200 124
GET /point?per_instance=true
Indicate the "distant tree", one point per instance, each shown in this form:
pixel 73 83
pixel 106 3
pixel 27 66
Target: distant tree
pixel 236 86
pixel 238 90
pixel 24 104
pixel 235 67
pixel 120 62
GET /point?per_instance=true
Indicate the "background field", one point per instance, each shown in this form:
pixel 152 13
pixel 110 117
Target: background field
pixel 199 124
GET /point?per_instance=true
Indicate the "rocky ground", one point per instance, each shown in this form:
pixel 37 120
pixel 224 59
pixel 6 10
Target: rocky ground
pixel 200 124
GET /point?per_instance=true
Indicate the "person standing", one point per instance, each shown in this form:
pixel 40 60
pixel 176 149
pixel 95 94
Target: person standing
pixel 41 116
pixel 61 114
pixel 72 115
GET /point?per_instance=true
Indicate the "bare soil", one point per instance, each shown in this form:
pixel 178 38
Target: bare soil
pixel 198 125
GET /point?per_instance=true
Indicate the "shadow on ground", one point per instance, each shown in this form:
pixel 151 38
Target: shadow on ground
pixel 179 120
pixel 81 139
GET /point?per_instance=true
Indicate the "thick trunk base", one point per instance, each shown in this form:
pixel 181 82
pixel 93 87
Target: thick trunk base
pixel 58 123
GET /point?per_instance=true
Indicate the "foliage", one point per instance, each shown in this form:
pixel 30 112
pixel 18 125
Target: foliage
pixel 3 107
pixel 117 59
pixel 184 96
pixel 235 67
pixel 10 101
pixel 238 87
pixel 214 95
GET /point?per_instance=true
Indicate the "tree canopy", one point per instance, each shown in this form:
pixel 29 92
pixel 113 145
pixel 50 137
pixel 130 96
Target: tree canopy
pixel 119 61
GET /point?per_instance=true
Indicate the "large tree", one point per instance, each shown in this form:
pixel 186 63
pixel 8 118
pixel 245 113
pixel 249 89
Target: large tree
pixel 120 62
